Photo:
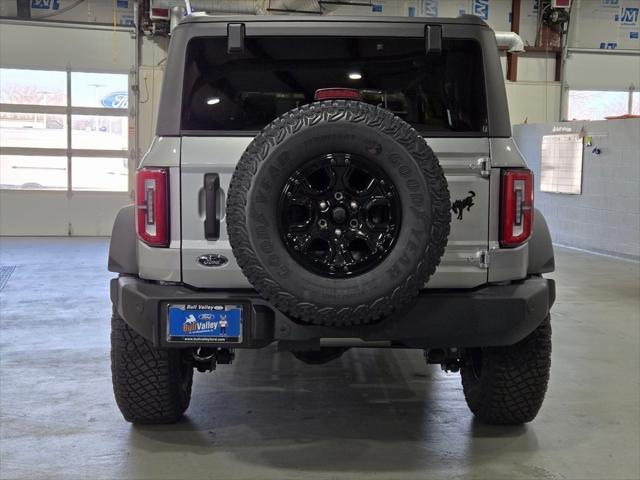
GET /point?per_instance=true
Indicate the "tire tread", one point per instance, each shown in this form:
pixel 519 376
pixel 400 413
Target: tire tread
pixel 147 381
pixel 272 136
pixel 513 381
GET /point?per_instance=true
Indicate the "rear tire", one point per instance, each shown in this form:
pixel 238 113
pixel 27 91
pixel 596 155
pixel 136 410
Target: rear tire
pixel 507 385
pixel 151 385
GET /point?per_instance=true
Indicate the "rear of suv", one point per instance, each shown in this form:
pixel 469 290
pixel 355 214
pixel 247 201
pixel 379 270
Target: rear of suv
pixel 325 185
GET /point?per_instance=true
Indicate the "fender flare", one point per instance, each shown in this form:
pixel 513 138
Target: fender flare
pixel 123 257
pixel 541 258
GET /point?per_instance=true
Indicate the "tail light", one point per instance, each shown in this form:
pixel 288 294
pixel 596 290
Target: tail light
pixel 517 207
pixel 337 94
pixel 152 206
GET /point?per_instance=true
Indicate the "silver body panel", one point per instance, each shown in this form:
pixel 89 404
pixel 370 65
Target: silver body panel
pixel 460 266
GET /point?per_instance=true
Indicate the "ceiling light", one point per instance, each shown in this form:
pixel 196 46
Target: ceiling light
pixel 355 76
pixel 213 101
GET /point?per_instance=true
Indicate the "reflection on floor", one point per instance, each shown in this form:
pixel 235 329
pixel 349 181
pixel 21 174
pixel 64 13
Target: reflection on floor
pixel 371 414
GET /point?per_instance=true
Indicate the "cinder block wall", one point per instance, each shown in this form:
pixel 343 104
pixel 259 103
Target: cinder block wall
pixel 606 217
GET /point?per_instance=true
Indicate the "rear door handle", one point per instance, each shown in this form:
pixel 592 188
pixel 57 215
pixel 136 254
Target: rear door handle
pixel 212 216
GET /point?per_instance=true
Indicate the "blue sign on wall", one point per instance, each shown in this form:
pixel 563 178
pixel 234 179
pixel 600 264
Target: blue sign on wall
pixel 481 8
pixel 629 16
pixel 46 4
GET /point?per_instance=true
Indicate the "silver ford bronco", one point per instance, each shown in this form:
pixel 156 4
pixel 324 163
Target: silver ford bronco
pixel 325 185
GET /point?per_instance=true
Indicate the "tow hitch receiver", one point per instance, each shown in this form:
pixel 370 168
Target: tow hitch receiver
pixel 205 359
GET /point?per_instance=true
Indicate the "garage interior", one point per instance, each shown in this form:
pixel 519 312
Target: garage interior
pixel 80 85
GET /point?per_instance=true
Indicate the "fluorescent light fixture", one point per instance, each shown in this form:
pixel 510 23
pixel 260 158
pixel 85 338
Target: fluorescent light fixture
pixel 213 101
pixel 355 76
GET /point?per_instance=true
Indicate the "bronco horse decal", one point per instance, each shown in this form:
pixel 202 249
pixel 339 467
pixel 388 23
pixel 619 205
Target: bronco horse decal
pixel 459 205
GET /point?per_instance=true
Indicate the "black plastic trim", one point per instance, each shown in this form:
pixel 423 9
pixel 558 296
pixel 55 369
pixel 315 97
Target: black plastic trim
pixel 487 316
pixel 212 215
pixel 434 39
pixel 541 256
pixel 123 255
pixel 235 38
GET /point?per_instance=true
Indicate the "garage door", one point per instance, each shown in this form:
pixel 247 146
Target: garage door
pixel 64 128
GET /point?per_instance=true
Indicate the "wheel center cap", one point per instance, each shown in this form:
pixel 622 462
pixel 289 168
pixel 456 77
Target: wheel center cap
pixel 339 215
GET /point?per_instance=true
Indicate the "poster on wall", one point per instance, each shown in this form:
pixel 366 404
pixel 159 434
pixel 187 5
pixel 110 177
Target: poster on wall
pixel 561 164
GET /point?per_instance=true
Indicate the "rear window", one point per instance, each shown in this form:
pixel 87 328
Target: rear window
pixel 438 94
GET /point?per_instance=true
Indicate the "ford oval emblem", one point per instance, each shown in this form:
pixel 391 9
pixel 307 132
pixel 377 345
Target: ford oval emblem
pixel 115 100
pixel 212 260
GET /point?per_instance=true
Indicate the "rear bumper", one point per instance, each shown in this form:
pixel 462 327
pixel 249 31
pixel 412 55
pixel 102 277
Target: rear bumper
pixel 488 316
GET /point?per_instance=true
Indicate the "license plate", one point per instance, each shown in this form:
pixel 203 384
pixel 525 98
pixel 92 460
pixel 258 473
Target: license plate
pixel 204 322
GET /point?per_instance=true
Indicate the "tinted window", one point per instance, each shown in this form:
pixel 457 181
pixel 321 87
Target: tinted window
pixel 437 94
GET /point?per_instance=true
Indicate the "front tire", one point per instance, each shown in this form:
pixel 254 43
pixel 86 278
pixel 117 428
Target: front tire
pixel 507 385
pixel 151 385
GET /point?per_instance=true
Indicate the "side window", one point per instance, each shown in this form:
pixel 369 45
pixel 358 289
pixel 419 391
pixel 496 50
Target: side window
pixel 438 94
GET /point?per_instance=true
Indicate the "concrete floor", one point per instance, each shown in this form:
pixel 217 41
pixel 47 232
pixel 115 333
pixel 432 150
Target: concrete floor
pixel 372 414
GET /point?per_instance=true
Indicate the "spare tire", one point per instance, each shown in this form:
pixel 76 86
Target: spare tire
pixel 338 212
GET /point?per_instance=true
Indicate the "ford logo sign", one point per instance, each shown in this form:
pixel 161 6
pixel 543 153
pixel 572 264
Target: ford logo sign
pixel 115 100
pixel 212 260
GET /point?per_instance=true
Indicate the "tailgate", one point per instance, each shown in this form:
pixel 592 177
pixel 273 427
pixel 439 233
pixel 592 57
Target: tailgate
pixel 203 259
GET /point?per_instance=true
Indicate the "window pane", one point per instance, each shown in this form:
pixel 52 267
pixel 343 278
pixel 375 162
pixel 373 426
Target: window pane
pixel 635 109
pixel 33 130
pixel 33 172
pixel 107 174
pixel 33 87
pixel 596 105
pixel 99 132
pixel 438 93
pixel 109 90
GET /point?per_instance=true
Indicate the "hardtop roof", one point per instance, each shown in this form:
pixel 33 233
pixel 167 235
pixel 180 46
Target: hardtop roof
pixel 469 20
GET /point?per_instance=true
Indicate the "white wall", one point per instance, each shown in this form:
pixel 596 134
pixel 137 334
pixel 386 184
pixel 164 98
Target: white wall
pixel 58 46
pixel 153 55
pixel 610 22
pixel 605 218
pixel 88 11
pixel 533 102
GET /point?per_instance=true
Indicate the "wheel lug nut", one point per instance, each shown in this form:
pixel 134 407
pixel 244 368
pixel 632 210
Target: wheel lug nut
pixel 338 196
pixel 338 232
pixel 353 222
pixel 322 223
pixel 323 205
pixel 353 205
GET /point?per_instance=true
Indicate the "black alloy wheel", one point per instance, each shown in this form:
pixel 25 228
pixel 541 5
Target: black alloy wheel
pixel 339 215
